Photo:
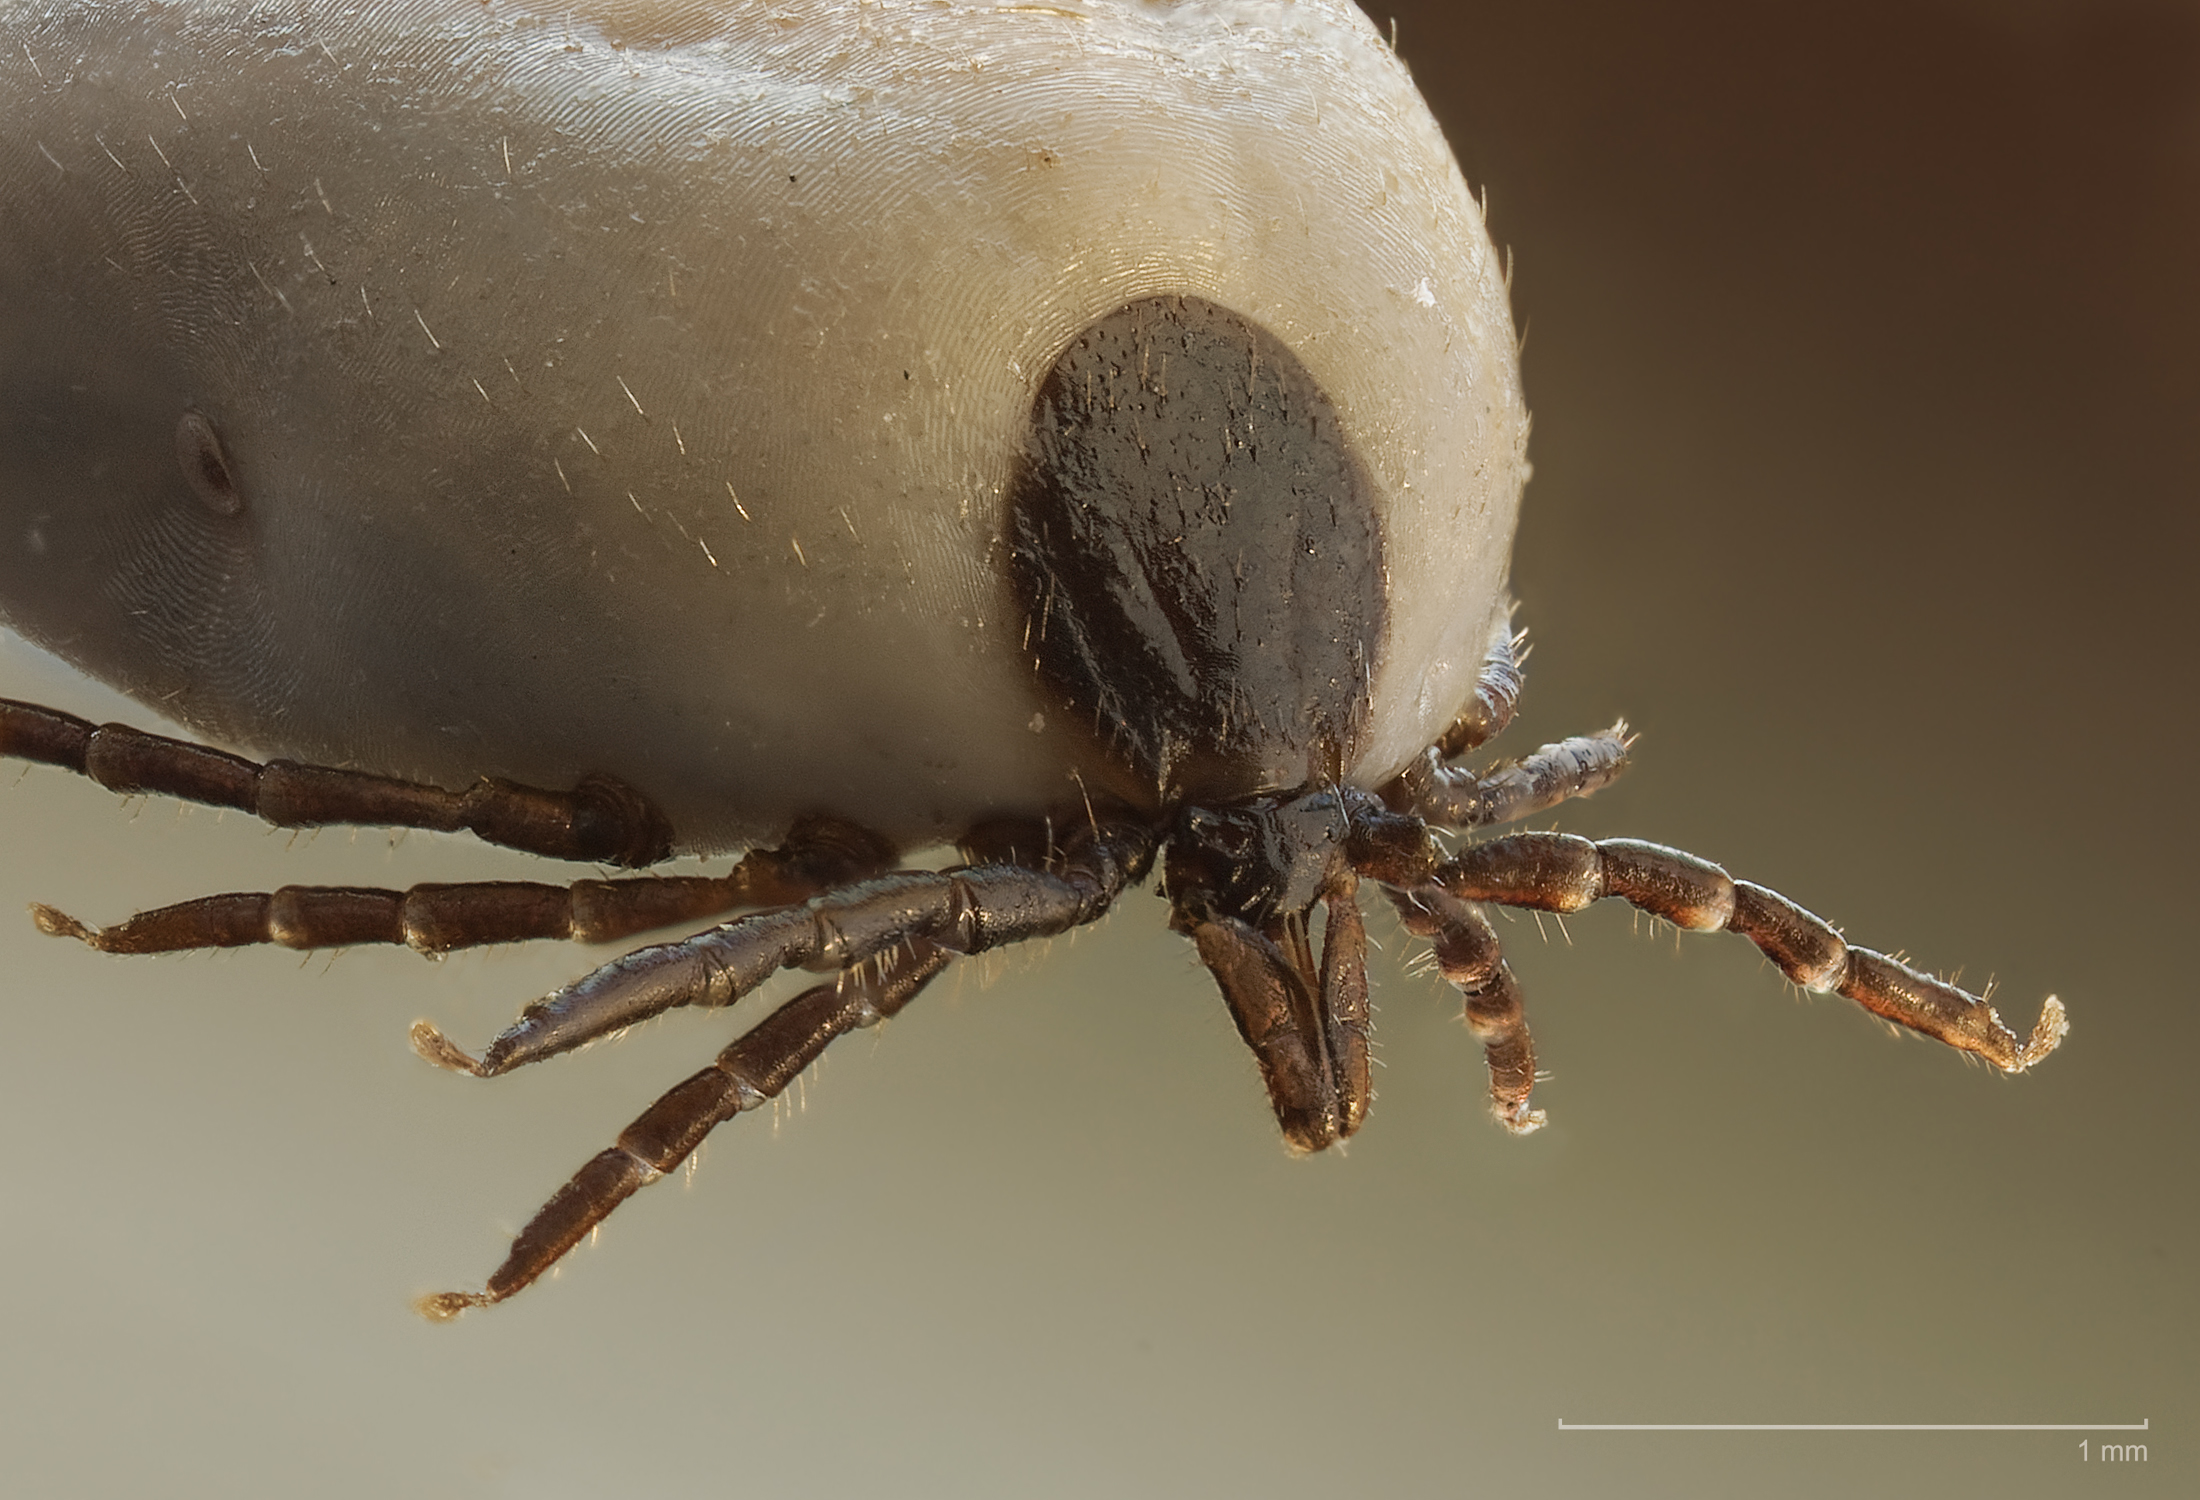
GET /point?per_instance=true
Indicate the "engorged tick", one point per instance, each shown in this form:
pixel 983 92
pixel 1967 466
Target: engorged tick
pixel 1110 454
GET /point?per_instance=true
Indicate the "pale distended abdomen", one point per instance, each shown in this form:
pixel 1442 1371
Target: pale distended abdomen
pixel 635 389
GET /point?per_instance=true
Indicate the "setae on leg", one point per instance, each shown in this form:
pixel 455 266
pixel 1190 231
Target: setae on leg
pixel 1468 956
pixel 1563 873
pixel 601 820
pixel 751 1071
pixel 964 911
pixel 819 854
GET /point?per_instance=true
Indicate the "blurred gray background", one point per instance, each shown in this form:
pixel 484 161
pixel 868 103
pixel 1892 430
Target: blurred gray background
pixel 1864 349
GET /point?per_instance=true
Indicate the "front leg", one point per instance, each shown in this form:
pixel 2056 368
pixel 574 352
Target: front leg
pixel 965 910
pixel 1562 872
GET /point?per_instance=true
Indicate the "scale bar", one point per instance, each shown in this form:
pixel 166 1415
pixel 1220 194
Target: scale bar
pixel 1566 1426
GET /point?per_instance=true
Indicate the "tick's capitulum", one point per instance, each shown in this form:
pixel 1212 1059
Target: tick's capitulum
pixel 1091 436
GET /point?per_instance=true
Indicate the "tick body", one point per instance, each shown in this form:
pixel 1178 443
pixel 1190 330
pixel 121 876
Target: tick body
pixel 1091 435
pixel 647 402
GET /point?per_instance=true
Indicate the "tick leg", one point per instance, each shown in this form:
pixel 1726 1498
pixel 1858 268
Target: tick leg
pixel 754 1069
pixel 1562 873
pixel 820 853
pixel 601 820
pixel 1469 958
pixel 1452 797
pixel 1496 694
pixel 964 911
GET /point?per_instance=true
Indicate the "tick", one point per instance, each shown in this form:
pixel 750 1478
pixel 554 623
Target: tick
pixel 1089 435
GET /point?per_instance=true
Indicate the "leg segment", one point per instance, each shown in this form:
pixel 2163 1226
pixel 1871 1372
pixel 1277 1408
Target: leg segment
pixel 1434 789
pixel 1468 956
pixel 1496 694
pixel 601 820
pixel 1454 798
pixel 1562 873
pixel 964 911
pixel 754 1069
pixel 820 853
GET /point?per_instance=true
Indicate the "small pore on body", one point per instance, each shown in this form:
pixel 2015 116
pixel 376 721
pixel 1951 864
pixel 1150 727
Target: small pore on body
pixel 205 466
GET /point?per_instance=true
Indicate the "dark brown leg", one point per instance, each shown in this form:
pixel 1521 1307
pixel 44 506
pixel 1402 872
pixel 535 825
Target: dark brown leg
pixel 1562 873
pixel 964 911
pixel 602 820
pixel 754 1069
pixel 820 853
pixel 1450 797
pixel 1468 956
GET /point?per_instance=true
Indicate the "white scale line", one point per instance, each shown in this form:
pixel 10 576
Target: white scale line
pixel 1566 1426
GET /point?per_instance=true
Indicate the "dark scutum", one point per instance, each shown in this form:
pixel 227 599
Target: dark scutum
pixel 1197 550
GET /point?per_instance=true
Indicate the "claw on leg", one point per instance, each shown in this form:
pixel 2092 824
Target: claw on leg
pixel 2047 1034
pixel 439 1049
pixel 56 923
